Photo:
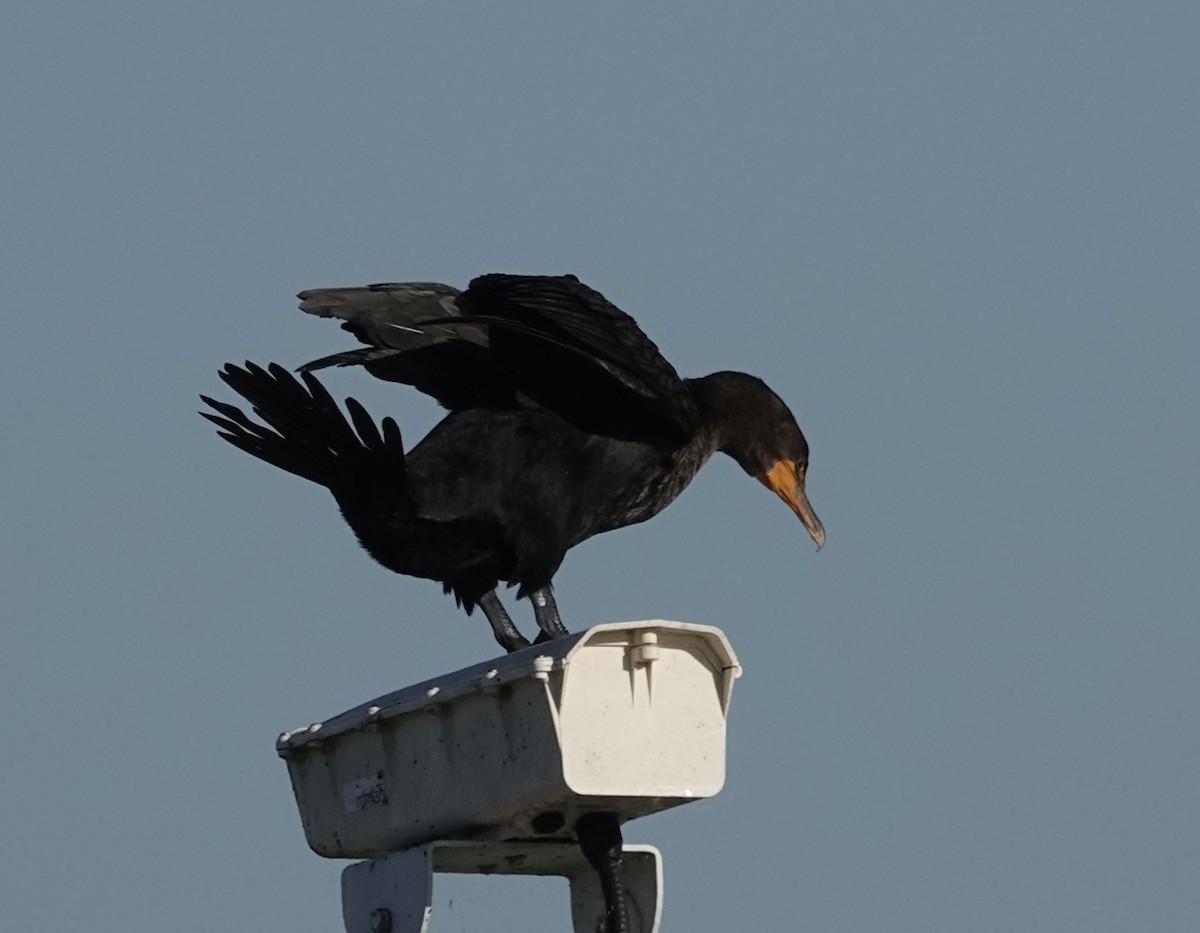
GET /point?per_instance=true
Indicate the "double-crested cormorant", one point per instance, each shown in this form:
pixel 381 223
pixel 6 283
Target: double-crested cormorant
pixel 565 421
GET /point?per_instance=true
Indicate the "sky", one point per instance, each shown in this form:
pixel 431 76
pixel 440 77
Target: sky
pixel 959 239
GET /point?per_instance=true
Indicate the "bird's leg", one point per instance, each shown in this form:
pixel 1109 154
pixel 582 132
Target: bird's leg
pixel 502 625
pixel 546 613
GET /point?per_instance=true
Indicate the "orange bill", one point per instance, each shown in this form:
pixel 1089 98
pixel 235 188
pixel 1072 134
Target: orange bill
pixel 786 480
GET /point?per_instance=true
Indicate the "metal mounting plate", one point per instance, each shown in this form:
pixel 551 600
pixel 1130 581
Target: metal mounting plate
pixel 394 893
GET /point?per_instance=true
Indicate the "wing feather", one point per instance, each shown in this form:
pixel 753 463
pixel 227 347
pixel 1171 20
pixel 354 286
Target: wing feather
pixel 565 312
pixel 514 339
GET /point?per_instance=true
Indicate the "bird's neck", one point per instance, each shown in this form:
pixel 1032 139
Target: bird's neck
pixel 717 402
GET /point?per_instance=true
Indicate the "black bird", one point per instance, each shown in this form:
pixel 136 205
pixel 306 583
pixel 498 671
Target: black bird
pixel 565 421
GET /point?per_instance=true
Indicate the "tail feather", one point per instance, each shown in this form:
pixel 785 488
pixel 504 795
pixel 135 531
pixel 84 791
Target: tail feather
pixel 364 424
pixel 362 463
pixel 234 420
pixel 306 432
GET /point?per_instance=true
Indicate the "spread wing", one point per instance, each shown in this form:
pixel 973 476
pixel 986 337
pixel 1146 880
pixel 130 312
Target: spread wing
pixel 545 326
pixel 514 338
pixel 453 364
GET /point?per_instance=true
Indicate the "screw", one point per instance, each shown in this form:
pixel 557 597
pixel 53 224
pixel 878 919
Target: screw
pixel 381 920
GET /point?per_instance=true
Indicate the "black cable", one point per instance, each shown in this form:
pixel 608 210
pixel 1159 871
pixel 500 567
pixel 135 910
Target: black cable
pixel 600 839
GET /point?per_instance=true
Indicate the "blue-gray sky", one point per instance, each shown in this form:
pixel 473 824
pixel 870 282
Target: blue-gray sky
pixel 960 239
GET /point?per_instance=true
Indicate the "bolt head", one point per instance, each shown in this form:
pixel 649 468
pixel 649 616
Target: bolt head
pixel 381 920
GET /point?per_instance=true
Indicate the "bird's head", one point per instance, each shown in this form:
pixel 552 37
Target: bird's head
pixel 754 426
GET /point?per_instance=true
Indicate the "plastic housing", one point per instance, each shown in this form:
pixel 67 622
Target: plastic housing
pixel 627 716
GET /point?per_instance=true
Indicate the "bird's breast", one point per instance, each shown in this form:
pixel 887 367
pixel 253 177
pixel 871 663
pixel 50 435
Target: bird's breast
pixel 640 485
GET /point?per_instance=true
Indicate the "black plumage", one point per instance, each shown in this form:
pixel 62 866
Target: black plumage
pixel 565 421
